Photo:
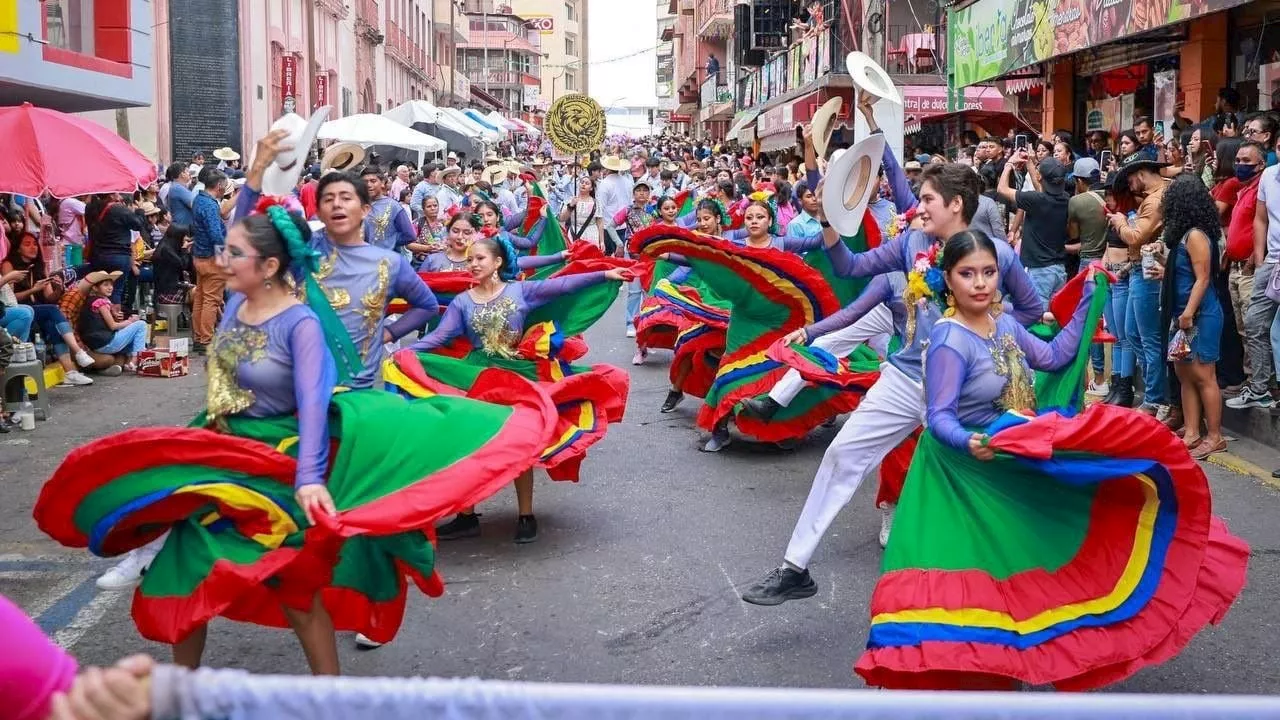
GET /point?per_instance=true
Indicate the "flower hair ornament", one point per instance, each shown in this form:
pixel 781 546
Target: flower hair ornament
pixel 305 260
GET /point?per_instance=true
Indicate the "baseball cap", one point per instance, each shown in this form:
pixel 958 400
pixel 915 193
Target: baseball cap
pixel 1086 168
pixel 1052 172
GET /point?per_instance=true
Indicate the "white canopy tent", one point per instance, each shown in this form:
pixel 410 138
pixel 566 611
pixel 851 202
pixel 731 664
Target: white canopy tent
pixel 367 130
pixel 527 128
pixel 414 111
pixel 486 134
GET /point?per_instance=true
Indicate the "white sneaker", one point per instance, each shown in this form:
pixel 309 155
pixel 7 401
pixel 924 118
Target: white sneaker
pixel 631 331
pixel 363 641
pixel 128 573
pixel 75 377
pixel 639 357
pixel 84 359
pixel 1098 389
pixel 886 523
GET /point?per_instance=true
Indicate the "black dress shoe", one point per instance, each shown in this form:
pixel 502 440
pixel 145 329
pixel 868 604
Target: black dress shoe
pixel 463 525
pixel 673 399
pixel 780 585
pixel 760 408
pixel 526 529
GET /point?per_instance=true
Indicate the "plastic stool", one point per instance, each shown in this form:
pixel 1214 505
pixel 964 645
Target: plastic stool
pixel 177 319
pixel 21 372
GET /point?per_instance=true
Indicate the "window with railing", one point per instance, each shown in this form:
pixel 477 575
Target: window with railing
pixel 814 56
pixel 570 80
pixel 69 25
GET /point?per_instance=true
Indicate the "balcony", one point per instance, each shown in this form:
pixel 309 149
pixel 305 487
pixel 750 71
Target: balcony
pixel 791 69
pixel 716 95
pixel 912 50
pixel 666 29
pixel 715 18
pixel 501 78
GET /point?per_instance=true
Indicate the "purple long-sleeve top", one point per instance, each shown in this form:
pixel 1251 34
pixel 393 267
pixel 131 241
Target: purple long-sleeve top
pixel 286 368
pixel 440 262
pixel 903 198
pixel 388 225
pixel 522 242
pixel 360 280
pixel 497 326
pixel 963 386
pixel 785 243
pixel 887 289
pixel 898 255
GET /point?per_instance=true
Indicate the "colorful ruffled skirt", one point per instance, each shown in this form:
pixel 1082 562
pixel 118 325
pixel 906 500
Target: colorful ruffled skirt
pixel 239 545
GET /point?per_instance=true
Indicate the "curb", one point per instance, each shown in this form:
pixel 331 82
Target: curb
pixel 1240 466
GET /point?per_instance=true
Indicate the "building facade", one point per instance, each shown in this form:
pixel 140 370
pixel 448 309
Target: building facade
pixel 503 60
pixel 562 26
pixel 664 76
pixel 450 28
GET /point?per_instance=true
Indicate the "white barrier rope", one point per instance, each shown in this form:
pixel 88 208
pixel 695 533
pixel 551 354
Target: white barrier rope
pixel 180 694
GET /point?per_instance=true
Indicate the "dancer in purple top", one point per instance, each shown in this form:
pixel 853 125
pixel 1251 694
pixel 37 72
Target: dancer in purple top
pixel 388 224
pixel 462 231
pixel 980 358
pixel 491 215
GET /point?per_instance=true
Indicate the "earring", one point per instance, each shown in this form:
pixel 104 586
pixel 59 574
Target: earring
pixel 951 306
pixel 997 304
pixel 267 284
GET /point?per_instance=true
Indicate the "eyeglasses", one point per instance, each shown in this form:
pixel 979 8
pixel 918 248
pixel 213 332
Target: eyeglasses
pixel 1250 132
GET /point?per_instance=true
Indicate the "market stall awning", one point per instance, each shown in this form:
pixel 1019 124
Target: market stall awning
pixel 741 121
pixel 995 123
pixel 66 155
pixel 485 122
pixel 414 111
pixel 527 128
pixel 368 129
pixel 482 132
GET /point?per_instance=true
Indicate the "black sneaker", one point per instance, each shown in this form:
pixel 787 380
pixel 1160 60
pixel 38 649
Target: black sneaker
pixel 463 525
pixel 760 408
pixel 526 529
pixel 673 399
pixel 780 585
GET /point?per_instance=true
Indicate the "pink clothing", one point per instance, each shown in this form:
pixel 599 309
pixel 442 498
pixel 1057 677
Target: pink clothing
pixel 71 220
pixel 32 668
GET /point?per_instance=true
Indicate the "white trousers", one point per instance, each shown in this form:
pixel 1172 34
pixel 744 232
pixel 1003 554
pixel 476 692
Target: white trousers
pixel 892 409
pixel 878 322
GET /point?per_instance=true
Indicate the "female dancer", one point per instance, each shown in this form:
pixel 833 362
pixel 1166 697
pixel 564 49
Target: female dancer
pixel 462 229
pixel 491 217
pixel 284 503
pixel 495 317
pixel 1020 541
pixel 657 324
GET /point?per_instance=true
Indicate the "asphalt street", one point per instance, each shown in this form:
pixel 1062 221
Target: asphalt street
pixel 634 576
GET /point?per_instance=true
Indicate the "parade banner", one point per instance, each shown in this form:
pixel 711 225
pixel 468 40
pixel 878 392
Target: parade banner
pixel 991 38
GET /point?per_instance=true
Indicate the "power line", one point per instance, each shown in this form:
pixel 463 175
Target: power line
pixel 605 62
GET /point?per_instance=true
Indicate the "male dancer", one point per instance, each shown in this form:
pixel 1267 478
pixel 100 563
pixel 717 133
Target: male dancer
pixel 387 225
pixel 894 407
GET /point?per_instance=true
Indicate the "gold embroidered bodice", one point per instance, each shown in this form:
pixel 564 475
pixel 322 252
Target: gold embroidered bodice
pixel 1009 362
pixel 380 223
pixel 491 323
pixel 229 349
pixel 339 298
pixel 374 303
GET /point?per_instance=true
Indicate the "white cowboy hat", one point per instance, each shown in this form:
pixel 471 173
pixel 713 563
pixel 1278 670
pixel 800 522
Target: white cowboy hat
pixel 226 154
pixel 342 156
pixel 851 177
pixel 615 163
pixel 824 124
pixel 868 75
pixel 282 175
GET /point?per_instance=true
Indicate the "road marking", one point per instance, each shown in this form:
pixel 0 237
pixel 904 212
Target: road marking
pixel 84 620
pixel 1240 466
pixel 62 588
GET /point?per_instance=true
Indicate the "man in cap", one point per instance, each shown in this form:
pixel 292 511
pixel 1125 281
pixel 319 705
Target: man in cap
pixel 1044 234
pixel 1087 233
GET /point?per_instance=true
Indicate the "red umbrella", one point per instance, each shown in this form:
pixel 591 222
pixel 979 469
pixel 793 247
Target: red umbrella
pixel 66 155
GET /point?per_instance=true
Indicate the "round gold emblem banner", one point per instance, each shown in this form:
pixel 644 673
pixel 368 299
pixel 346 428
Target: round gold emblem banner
pixel 575 124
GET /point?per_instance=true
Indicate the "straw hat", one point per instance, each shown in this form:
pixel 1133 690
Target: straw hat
pixel 342 156
pixel 98 276
pixel 149 208
pixel 615 163
pixel 494 174
pixel 282 174
pixel 851 178
pixel 226 154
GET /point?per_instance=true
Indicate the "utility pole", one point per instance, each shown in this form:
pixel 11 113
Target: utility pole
pixel 309 7
pixel 484 14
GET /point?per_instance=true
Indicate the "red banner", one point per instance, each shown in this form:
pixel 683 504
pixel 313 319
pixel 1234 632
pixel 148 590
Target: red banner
pixel 322 89
pixel 288 77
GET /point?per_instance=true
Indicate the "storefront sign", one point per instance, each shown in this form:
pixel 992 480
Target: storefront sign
pixel 922 101
pixel 544 24
pixel 991 38
pixel 1111 115
pixel 289 82
pixel 322 90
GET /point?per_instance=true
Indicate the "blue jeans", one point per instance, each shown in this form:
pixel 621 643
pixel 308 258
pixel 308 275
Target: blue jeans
pixel 1143 329
pixel 1048 280
pixel 131 340
pixel 109 263
pixel 1122 355
pixel 635 296
pixel 53 325
pixel 17 321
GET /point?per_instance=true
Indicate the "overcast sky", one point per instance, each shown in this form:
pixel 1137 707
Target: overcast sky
pixel 625 29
